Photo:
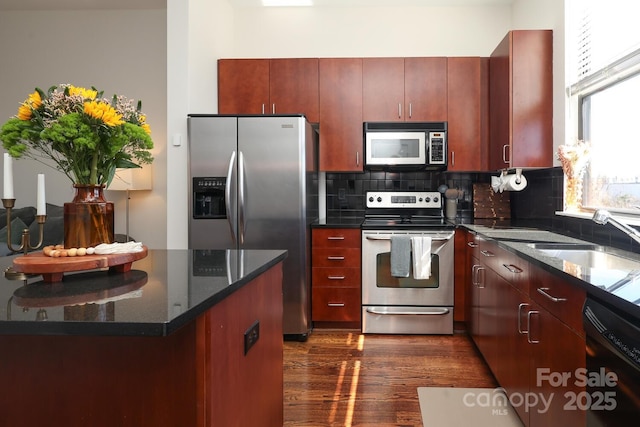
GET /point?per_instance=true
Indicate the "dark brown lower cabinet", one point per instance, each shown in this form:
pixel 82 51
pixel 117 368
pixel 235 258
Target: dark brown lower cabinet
pixel 531 340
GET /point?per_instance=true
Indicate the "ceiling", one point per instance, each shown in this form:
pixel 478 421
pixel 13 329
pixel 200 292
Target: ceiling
pixel 161 4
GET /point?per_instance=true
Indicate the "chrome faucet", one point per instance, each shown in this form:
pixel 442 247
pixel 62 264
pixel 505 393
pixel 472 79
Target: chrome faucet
pixel 603 217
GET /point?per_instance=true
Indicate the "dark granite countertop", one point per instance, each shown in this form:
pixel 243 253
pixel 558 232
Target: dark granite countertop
pixel 598 283
pixel 338 222
pixel 161 293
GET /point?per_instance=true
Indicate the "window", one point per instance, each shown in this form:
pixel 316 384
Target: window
pixel 605 97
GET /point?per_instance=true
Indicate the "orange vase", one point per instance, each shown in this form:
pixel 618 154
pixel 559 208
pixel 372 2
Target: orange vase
pixel 88 219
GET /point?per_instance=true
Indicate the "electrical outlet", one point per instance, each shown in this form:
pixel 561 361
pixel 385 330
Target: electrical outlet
pixel 251 336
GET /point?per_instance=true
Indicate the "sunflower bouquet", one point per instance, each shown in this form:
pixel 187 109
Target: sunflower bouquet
pixel 87 136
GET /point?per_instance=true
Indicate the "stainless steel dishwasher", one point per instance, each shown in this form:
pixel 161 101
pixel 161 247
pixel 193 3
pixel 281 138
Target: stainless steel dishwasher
pixel 612 396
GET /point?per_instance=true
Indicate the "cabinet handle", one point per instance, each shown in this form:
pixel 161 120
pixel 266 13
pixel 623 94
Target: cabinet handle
pixel 487 253
pixel 505 148
pixel 453 158
pixel 335 304
pixel 410 110
pixel 273 108
pixel 357 158
pixel 262 108
pixel 543 291
pixel 335 277
pixel 472 244
pixel 399 110
pixel 475 276
pixel 512 268
pixel 335 238
pixel 529 339
pixel 520 318
pixel 335 258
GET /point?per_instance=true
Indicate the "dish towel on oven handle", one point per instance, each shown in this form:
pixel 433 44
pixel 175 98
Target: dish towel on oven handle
pixel 421 257
pixel 400 255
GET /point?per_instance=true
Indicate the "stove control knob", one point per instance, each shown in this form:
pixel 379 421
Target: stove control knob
pixel 420 199
pixel 371 199
pixel 427 199
pixel 379 199
pixel 435 199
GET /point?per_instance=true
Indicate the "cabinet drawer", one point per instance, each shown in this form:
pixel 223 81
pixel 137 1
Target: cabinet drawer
pixel 336 238
pixel 508 265
pixel 560 298
pixel 336 257
pixel 336 277
pixel 335 304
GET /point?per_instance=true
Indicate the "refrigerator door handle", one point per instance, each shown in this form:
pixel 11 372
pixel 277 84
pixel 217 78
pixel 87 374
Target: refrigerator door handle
pixel 228 192
pixel 241 199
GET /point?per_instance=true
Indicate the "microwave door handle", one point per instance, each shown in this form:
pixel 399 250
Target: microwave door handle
pixel 230 190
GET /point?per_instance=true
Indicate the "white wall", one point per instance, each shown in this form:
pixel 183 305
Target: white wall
pixel 121 52
pixel 369 31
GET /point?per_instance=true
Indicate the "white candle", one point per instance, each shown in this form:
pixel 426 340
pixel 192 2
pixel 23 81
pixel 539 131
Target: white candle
pixel 41 207
pixel 8 177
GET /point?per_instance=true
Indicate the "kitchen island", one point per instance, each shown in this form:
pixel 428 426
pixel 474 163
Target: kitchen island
pixel 187 337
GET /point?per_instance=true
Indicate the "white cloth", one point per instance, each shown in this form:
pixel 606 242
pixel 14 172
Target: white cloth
pixel 118 248
pixel 421 257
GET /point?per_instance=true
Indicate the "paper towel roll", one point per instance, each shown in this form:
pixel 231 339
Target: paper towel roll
pixel 513 183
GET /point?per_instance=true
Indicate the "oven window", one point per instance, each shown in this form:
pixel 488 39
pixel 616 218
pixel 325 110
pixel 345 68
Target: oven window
pixel 384 279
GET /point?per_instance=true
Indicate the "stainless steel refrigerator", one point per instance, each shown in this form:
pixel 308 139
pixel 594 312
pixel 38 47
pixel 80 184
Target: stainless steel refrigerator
pixel 254 185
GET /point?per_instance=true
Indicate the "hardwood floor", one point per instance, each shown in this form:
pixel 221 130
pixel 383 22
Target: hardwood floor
pixel 343 378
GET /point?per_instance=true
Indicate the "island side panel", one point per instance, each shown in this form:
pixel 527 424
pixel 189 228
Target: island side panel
pixel 239 389
pixel 99 380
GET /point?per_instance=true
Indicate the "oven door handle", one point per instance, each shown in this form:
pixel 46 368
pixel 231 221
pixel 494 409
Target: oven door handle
pixel 434 251
pixel 432 311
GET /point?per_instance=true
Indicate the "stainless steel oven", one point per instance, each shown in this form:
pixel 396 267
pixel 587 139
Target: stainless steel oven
pixel 407 303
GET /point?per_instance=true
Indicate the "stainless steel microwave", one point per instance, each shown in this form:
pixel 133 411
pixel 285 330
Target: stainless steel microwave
pixel 405 145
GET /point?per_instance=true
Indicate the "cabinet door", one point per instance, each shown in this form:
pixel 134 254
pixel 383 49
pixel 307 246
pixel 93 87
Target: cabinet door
pixel 468 120
pixel 556 350
pixel 243 86
pixel 383 89
pixel 460 276
pixel 425 89
pixel 515 351
pixel 521 100
pixel 484 323
pixel 293 87
pixel 341 140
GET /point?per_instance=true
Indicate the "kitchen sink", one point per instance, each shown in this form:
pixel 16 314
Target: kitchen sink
pixel 592 256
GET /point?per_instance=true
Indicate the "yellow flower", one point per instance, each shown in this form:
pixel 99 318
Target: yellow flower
pixel 146 128
pixel 32 103
pixel 84 93
pixel 104 112
pixel 24 112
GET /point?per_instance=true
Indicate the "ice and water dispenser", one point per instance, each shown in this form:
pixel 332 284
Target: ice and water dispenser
pixel 209 197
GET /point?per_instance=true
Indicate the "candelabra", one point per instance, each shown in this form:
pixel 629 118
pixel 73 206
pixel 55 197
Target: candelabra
pixel 25 245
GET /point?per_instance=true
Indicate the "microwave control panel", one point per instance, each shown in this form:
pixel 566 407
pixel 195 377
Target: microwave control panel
pixel 437 148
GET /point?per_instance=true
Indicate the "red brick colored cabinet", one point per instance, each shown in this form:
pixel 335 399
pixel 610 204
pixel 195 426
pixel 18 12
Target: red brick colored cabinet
pixel 521 100
pixel 336 277
pixel 341 115
pixel 468 113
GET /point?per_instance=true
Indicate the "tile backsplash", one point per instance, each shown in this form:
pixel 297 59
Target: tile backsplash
pixel 346 192
pixel 535 205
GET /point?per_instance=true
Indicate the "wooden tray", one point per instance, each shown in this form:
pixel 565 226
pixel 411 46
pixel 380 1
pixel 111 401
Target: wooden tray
pixel 53 269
